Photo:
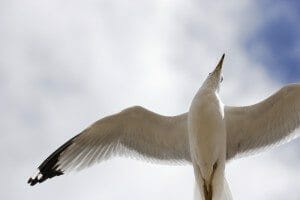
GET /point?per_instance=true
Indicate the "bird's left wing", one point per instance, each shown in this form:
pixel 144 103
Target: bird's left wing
pixel 272 121
pixel 135 132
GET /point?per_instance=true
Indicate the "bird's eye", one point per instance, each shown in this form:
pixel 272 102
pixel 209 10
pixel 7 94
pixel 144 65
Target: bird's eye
pixel 221 80
pixel 209 73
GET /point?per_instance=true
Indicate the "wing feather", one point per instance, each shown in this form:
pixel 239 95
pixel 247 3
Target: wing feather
pixel 135 132
pixel 270 122
pixel 140 133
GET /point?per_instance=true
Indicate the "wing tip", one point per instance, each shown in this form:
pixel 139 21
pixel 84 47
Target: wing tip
pixel 42 176
pixel 37 178
pixel 50 167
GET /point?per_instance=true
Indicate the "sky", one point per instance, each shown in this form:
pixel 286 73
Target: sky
pixel 65 64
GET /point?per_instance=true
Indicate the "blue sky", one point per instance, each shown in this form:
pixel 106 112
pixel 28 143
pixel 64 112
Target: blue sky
pixel 279 36
pixel 65 64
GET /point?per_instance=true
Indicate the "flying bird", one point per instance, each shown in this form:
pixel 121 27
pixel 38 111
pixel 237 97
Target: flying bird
pixel 207 136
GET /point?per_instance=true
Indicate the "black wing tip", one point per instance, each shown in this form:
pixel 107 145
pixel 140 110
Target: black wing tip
pixel 35 179
pixel 42 176
pixel 32 181
pixel 50 167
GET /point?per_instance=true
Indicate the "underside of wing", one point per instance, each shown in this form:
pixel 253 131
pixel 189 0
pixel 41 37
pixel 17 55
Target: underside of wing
pixel 135 132
pixel 140 133
pixel 270 122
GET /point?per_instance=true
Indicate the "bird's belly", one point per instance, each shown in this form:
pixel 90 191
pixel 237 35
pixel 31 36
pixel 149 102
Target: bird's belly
pixel 207 135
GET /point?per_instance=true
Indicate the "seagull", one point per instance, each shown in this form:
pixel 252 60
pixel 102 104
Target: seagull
pixel 228 132
pixel 207 136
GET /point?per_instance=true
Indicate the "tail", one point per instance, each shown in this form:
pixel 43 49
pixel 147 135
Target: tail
pixel 226 195
pixel 226 192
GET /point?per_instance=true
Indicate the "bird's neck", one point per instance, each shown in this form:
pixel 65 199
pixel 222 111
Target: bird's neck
pixel 211 84
pixel 206 96
pixel 208 90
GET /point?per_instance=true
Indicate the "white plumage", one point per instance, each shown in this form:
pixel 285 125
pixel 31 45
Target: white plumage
pixel 141 133
pixel 207 137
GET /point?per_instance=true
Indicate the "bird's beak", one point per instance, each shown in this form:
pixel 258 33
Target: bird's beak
pixel 219 66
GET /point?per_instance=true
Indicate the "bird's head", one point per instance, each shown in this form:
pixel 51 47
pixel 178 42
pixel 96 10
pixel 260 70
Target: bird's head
pixel 214 78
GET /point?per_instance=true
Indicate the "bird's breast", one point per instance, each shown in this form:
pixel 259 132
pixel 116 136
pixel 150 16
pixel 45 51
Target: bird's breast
pixel 206 126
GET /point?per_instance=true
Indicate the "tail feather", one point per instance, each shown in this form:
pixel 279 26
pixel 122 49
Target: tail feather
pixel 226 191
pixel 226 194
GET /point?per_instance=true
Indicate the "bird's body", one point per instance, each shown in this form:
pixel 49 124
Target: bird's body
pixel 207 133
pixel 206 137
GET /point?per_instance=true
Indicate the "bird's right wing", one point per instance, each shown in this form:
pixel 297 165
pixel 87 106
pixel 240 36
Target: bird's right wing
pixel 272 121
pixel 135 132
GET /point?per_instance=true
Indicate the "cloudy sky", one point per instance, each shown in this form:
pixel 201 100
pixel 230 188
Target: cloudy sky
pixel 65 64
